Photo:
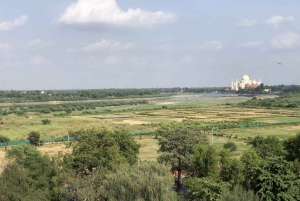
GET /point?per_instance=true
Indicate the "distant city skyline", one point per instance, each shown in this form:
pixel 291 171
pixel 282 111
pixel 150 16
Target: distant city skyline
pixel 94 44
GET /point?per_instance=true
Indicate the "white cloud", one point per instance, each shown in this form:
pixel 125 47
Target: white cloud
pixel 108 12
pixel 70 50
pixel 246 23
pixel 215 45
pixel 5 26
pixel 108 44
pixel 251 44
pixel 187 59
pixel 14 63
pixel 38 60
pixel 209 45
pixel 5 46
pixel 34 43
pixel 112 60
pixel 276 20
pixel 288 40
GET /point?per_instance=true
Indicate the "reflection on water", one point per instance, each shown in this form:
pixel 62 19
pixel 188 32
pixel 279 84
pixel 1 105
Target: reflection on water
pixel 208 95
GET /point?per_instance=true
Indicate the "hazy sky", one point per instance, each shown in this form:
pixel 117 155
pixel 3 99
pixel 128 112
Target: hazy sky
pixel 80 44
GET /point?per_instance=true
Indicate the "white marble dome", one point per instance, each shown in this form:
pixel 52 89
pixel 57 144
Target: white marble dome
pixel 246 78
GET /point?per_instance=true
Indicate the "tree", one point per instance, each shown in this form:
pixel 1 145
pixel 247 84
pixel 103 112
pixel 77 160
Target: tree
pixel 267 147
pixel 238 193
pixel 205 161
pixel 176 146
pixel 230 145
pixel 232 169
pixel 103 148
pixel 292 146
pixel 34 138
pixel 275 179
pixel 250 159
pixel 4 140
pixel 146 181
pixel 204 188
pixel 31 176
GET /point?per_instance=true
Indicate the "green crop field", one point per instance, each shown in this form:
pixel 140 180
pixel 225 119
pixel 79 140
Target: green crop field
pixel 143 117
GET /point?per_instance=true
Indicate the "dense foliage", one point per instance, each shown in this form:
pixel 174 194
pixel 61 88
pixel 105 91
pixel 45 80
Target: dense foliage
pixel 104 166
pixel 34 138
pixel 102 148
pixel 290 99
pixel 175 146
pixel 73 95
pixel 64 108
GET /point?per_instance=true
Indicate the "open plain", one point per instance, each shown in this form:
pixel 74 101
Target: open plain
pixel 145 117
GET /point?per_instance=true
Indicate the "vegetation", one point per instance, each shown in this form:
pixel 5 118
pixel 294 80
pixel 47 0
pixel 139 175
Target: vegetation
pixel 289 99
pixel 63 108
pixel 73 95
pixel 34 138
pixel 105 163
pixel 176 146
pixel 230 145
pixel 102 148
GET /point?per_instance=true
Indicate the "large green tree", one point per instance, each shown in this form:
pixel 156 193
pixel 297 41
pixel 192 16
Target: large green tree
pixel 205 161
pixel 30 176
pixel 267 147
pixel 103 148
pixel 147 181
pixel 275 180
pixel 238 193
pixel 204 188
pixel 231 169
pixel 292 146
pixel 176 147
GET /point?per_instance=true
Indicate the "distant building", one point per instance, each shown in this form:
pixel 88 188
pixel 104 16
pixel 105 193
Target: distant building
pixel 237 85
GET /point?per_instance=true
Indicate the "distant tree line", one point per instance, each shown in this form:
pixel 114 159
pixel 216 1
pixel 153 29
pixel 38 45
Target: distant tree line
pixel 192 89
pixel 66 108
pixel 289 98
pixel 73 95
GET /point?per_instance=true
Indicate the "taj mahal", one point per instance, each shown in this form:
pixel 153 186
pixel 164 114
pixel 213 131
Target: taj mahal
pixel 245 82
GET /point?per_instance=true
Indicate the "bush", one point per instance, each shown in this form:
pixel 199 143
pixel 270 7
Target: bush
pixel 238 194
pixel 34 138
pixel 231 146
pixel 46 121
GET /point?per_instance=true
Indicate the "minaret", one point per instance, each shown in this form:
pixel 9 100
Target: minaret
pixel 232 84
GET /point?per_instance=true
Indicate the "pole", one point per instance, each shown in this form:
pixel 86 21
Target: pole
pixel 212 135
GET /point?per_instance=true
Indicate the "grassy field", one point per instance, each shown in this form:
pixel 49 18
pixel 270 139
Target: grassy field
pixel 139 117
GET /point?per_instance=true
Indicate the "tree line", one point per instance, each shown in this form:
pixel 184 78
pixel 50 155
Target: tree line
pixel 65 108
pixel 73 95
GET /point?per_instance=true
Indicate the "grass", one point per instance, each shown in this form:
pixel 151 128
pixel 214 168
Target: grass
pixel 139 116
pixel 149 147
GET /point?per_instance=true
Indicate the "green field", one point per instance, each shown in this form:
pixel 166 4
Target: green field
pixel 145 117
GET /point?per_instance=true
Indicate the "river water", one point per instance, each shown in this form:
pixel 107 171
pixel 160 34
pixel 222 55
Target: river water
pixel 194 97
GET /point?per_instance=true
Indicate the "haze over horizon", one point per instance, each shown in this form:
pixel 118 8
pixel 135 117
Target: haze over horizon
pixel 90 44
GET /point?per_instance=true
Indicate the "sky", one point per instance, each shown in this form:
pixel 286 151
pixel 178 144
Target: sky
pixel 94 44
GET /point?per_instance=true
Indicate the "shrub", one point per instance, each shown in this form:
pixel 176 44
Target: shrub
pixel 46 121
pixel 231 146
pixel 34 138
